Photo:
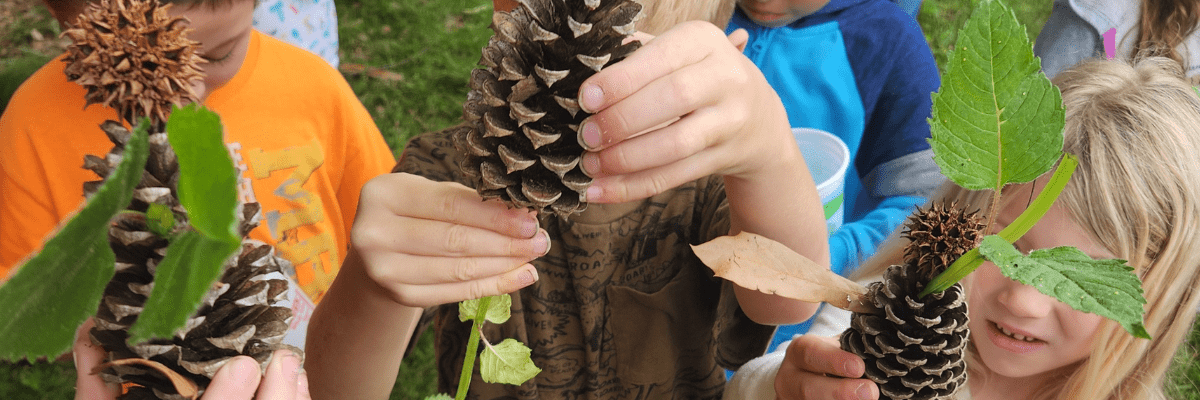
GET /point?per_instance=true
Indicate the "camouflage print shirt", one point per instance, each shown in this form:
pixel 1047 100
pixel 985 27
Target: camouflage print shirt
pixel 621 310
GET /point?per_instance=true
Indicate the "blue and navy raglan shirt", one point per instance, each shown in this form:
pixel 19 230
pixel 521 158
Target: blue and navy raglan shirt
pixel 859 69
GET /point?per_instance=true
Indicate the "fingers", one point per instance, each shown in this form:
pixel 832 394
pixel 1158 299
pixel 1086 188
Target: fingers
pixel 455 291
pixel 284 379
pixel 89 386
pixel 739 38
pixel 816 368
pixel 415 197
pixel 237 379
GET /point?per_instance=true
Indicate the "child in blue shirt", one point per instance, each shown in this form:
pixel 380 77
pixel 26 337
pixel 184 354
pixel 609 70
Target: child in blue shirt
pixel 862 70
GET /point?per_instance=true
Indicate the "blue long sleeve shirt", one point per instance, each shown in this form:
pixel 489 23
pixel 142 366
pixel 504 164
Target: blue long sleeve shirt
pixel 862 70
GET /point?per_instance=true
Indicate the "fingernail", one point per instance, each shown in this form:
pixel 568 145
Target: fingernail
pixel 529 227
pixel 863 392
pixel 302 385
pixel 527 277
pixel 848 369
pixel 590 164
pixel 544 242
pixel 289 361
pixel 589 135
pixel 593 193
pixel 590 97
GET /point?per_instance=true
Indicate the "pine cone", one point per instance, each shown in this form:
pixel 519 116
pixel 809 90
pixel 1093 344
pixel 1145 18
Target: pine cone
pixel 134 58
pixel 913 346
pixel 522 114
pixel 131 55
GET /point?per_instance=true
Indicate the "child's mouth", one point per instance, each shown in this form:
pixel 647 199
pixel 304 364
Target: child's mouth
pixel 1011 341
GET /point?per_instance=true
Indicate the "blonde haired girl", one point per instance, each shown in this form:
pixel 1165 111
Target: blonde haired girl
pixel 1135 196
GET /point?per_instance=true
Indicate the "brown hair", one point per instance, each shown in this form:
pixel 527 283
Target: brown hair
pixel 1164 25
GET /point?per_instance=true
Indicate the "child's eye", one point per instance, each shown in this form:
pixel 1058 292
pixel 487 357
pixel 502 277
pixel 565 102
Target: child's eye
pixel 217 60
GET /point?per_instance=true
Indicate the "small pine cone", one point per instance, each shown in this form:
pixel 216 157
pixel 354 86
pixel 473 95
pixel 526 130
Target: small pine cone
pixel 522 114
pixel 132 55
pixel 938 236
pixel 913 346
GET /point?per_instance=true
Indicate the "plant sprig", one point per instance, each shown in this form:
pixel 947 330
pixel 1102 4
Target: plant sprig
pixel 508 362
pixel 997 120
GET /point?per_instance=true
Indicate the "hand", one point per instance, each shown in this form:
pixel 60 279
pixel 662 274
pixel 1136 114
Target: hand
pixel 428 243
pixel 685 105
pixel 238 379
pixel 815 367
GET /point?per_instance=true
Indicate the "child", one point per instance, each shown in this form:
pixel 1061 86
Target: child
pixel 1135 196
pixel 1075 31
pixel 618 306
pixel 861 70
pixel 303 151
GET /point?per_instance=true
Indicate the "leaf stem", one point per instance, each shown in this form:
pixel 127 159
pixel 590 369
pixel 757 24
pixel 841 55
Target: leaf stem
pixel 972 259
pixel 464 379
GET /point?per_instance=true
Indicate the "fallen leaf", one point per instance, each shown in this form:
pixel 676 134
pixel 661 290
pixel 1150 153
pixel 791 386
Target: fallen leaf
pixel 374 72
pixel 756 262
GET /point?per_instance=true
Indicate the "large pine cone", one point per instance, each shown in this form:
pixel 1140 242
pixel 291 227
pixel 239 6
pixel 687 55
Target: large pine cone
pixel 242 313
pixel 522 114
pixel 913 346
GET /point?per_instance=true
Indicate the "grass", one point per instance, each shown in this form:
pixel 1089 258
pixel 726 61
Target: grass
pixel 409 61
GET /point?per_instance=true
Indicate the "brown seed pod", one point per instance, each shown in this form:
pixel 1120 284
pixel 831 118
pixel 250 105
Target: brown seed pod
pixel 134 57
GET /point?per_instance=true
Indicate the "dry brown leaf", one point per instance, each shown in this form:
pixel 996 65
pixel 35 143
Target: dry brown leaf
pixel 756 262
pixel 184 386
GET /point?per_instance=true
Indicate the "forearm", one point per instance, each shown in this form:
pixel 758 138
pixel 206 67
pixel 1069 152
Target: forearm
pixel 357 337
pixel 780 203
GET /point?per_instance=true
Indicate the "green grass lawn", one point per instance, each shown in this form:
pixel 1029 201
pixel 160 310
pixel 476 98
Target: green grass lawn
pixel 409 61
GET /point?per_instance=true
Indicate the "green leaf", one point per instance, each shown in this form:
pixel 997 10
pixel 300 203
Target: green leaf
pixel 47 299
pixel 439 396
pixel 499 309
pixel 207 177
pixel 1108 288
pixel 996 119
pixel 508 363
pixel 208 191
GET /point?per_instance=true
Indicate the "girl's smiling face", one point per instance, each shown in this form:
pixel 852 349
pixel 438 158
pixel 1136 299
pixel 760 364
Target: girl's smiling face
pixel 1018 331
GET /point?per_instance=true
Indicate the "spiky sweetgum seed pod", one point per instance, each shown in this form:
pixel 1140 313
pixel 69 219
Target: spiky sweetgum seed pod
pixel 913 346
pixel 522 114
pixel 938 236
pixel 134 57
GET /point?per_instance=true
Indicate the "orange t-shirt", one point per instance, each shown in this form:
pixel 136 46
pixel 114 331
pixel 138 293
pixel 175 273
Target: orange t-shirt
pixel 302 142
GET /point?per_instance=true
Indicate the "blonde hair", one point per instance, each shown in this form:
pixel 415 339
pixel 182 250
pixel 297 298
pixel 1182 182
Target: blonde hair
pixel 660 15
pixel 1137 193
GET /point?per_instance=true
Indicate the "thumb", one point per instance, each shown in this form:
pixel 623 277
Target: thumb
pixel 89 386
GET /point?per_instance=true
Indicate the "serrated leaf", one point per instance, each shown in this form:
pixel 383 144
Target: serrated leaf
pixel 499 309
pixel 208 191
pixel 1108 288
pixel 439 396
pixel 507 363
pixel 47 299
pixel 193 262
pixel 207 177
pixel 996 119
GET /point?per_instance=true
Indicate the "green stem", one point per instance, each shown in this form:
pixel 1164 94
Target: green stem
pixel 464 379
pixel 972 259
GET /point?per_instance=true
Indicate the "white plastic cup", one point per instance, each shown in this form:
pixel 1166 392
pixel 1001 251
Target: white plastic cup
pixel 828 158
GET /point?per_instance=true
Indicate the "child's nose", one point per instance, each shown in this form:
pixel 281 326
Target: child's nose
pixel 1025 301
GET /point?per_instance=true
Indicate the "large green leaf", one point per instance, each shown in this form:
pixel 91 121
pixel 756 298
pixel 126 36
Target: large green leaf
pixel 996 119
pixel 1108 288
pixel 60 287
pixel 507 363
pixel 208 191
